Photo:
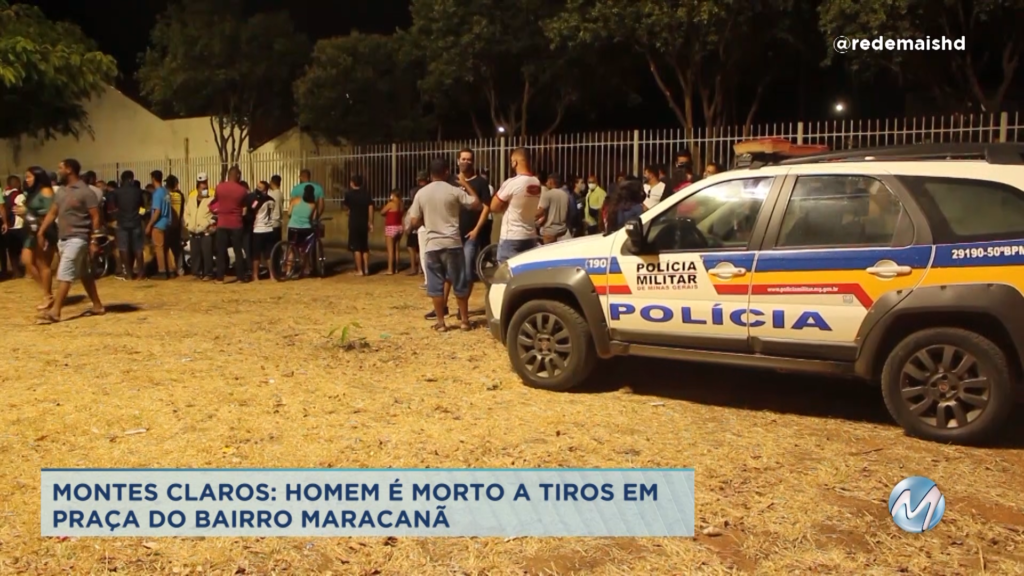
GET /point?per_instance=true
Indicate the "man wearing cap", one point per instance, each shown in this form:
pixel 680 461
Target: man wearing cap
pixel 200 224
pixel 202 183
pixel 128 201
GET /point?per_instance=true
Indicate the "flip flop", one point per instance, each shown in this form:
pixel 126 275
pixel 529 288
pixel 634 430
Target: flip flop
pixel 439 328
pixel 45 306
pixel 465 327
pixel 91 312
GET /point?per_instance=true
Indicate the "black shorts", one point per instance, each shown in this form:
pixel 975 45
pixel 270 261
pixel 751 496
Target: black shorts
pixel 359 239
pixel 299 235
pixel 262 244
pixel 413 241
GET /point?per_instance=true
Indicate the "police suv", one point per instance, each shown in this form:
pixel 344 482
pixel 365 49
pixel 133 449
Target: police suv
pixel 901 265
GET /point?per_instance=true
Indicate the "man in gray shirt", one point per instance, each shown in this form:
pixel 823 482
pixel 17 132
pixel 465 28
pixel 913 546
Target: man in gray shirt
pixel 553 211
pixel 436 208
pixel 76 209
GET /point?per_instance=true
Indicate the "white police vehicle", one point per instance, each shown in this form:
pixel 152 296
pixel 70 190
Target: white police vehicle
pixel 903 266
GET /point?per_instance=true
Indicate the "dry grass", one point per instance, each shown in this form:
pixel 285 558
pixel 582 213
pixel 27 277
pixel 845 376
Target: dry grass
pixel 793 472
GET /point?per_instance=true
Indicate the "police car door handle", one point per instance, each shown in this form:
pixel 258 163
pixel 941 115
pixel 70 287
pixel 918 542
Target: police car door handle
pixel 727 272
pixel 890 271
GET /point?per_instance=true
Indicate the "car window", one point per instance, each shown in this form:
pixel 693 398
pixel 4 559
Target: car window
pixel 965 210
pixel 721 216
pixel 846 211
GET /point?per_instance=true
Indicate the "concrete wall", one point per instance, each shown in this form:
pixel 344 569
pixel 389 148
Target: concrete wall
pixel 336 230
pixel 122 130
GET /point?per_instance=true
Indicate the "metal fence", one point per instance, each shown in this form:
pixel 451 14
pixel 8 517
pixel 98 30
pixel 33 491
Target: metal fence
pixel 603 154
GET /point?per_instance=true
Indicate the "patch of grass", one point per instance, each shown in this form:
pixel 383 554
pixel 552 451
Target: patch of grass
pixel 347 340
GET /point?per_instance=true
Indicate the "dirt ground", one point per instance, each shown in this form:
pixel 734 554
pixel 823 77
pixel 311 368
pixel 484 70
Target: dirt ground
pixel 792 473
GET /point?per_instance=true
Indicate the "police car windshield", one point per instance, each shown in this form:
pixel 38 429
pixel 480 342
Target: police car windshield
pixel 723 213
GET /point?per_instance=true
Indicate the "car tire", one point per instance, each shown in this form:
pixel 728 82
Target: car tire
pixel 908 382
pixel 571 343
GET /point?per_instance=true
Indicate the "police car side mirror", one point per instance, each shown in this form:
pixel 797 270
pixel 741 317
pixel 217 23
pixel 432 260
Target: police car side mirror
pixel 635 233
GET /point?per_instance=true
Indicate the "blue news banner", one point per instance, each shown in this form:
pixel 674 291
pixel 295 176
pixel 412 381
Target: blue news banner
pixel 361 502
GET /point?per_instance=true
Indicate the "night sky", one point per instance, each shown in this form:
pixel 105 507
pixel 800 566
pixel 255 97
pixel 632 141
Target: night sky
pixel 804 91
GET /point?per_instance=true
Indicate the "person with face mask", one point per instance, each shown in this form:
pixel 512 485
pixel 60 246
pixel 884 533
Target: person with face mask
pixel 262 206
pixel 199 224
pixel 682 173
pixel 656 188
pixel 595 196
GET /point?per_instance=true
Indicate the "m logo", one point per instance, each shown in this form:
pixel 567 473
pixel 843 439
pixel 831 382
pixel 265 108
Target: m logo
pixel 916 504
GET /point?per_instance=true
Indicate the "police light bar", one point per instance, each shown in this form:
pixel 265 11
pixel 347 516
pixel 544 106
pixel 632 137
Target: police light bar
pixel 758 152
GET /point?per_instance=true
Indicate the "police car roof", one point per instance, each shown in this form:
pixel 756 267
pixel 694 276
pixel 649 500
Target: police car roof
pixel 1009 154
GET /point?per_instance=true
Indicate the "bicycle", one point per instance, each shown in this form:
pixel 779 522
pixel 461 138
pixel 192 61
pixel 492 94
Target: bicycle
pixel 288 260
pixel 103 260
pixel 487 263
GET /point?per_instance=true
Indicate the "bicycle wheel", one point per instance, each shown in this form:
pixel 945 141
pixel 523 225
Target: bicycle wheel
pixel 487 263
pixel 100 265
pixel 282 261
pixel 319 261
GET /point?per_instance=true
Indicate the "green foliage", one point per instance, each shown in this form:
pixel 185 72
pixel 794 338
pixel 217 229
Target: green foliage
pixel 47 71
pixel 494 54
pixel 205 59
pixel 347 340
pixel 698 51
pixel 994 32
pixel 362 88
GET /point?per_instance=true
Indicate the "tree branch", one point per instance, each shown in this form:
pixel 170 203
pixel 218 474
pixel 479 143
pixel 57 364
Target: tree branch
pixel 563 103
pixel 476 126
pixel 685 80
pixel 492 99
pixel 754 106
pixel 664 90
pixel 1011 57
pixel 526 104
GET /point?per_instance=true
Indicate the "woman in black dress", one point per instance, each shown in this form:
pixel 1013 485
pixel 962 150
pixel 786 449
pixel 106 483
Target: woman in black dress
pixel 360 223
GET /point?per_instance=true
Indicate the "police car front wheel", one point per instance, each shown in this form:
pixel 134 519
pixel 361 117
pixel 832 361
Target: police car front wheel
pixel 948 385
pixel 550 345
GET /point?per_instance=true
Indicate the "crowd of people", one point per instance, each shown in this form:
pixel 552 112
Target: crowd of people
pixel 449 221
pixel 446 222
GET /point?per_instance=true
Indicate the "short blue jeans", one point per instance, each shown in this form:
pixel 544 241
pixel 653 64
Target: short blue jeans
pixel 447 265
pixel 511 248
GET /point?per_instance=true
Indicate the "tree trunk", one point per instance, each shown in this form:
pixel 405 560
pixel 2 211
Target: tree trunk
pixel 684 120
pixel 755 104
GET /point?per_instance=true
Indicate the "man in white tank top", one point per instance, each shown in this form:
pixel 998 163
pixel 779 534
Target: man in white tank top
pixel 518 198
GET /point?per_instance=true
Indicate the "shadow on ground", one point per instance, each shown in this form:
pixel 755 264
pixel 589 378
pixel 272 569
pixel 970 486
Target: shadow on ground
pixel 742 388
pixel 758 390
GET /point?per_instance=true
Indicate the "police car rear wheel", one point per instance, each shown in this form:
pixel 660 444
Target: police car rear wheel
pixel 550 345
pixel 948 385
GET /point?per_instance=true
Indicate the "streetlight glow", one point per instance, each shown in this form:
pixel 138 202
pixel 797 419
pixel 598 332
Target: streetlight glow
pixel 840 107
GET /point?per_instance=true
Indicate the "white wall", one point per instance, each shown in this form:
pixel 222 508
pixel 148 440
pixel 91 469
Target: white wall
pixel 122 131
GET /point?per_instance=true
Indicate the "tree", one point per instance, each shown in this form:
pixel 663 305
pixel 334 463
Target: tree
pixel 47 72
pixel 993 30
pixel 362 88
pixel 237 72
pixel 493 55
pixel 699 52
